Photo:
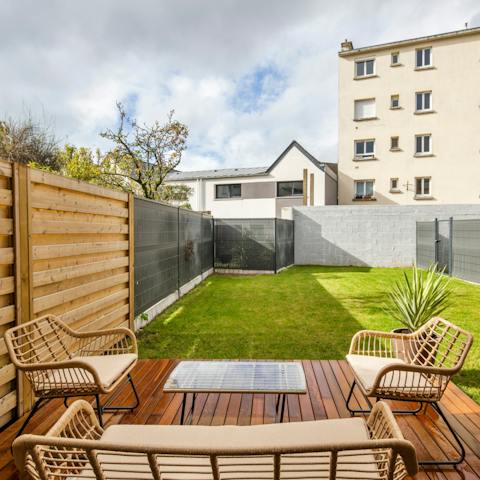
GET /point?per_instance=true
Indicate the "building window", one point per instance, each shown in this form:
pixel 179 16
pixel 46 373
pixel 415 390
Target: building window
pixel 290 189
pixel 395 58
pixel 232 190
pixel 365 109
pixel 364 189
pixel 423 57
pixel 364 148
pixel 394 143
pixel 423 144
pixel 423 101
pixel 364 68
pixel 394 185
pixel 422 186
pixel 395 101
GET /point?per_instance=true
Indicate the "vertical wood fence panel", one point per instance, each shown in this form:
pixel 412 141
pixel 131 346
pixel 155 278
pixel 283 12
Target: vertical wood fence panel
pixel 64 249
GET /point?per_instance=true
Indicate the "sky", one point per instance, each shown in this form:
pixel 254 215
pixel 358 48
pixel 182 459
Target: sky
pixel 246 76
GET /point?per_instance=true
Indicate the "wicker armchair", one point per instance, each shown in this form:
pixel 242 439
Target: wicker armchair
pixel 78 447
pixel 414 367
pixel 60 362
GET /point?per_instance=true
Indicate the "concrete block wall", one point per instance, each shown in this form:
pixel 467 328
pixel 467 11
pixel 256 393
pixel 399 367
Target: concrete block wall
pixel 365 235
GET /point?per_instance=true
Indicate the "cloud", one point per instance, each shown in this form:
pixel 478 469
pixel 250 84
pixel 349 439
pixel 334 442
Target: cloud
pixel 246 76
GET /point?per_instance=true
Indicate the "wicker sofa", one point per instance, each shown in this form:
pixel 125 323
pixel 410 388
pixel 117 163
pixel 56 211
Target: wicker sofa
pixel 355 448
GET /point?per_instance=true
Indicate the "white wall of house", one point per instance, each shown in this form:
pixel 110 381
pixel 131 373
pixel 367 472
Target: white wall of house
pixel 290 168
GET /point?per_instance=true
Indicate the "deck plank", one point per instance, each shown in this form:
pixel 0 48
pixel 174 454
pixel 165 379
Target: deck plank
pixel 328 384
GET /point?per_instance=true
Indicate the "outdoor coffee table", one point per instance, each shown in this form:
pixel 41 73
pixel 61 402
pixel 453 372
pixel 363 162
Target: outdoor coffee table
pixel 195 377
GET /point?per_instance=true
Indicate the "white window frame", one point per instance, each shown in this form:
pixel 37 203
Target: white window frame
pixel 392 63
pixel 364 60
pixel 422 49
pixel 391 101
pixel 422 181
pixel 363 156
pixel 364 100
pixel 423 109
pixel 423 152
pixel 364 196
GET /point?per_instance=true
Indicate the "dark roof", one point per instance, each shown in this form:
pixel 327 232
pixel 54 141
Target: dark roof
pixel 245 172
pixel 217 173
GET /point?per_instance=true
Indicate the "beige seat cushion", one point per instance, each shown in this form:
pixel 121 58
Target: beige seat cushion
pixel 366 369
pixel 109 368
pixel 353 464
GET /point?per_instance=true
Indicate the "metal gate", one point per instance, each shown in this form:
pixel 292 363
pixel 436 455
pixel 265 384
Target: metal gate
pixel 434 244
pixel 443 244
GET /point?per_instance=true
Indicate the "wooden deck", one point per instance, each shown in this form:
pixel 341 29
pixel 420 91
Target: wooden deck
pixel 328 384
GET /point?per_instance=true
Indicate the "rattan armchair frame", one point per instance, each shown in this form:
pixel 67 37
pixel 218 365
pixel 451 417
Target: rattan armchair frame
pixel 74 447
pixel 49 353
pixel 429 358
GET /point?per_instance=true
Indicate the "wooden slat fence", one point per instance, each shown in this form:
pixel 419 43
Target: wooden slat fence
pixel 65 249
pixel 8 388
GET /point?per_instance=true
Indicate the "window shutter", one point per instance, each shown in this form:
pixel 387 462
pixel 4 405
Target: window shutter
pixel 365 109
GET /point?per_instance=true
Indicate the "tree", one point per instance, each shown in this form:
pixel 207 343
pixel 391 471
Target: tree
pixel 79 163
pixel 144 155
pixel 30 142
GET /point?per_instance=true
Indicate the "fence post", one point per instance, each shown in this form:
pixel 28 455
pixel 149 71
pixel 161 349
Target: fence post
pixel 178 251
pixel 213 243
pixel 23 260
pixel 450 246
pixel 201 243
pixel 437 241
pixel 275 240
pixel 131 260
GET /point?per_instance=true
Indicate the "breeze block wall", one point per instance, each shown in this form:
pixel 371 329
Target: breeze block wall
pixel 365 235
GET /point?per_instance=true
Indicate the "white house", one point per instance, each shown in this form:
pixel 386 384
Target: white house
pixel 295 178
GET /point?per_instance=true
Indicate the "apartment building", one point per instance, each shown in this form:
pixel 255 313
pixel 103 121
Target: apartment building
pixel 409 120
pixel 295 177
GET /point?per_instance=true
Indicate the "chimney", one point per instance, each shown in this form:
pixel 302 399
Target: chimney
pixel 346 45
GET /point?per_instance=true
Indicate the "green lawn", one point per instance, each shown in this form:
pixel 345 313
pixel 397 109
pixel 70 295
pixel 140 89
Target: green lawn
pixel 302 313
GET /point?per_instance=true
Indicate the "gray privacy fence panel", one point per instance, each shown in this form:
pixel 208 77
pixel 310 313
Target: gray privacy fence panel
pixel 172 247
pixel 207 243
pixel 466 249
pixel 190 245
pixel 425 244
pixel 156 252
pixel 284 243
pixel 245 244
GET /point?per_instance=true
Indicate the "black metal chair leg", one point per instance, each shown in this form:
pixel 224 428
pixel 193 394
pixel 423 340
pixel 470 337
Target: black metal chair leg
pixel 184 402
pixel 34 409
pixel 108 408
pixel 353 411
pixel 99 410
pixel 282 411
pixel 397 412
pixel 460 446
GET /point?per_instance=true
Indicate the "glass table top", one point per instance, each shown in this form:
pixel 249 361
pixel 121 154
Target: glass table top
pixel 230 376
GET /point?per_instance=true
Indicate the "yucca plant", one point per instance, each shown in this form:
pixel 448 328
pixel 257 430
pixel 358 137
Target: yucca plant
pixel 414 301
